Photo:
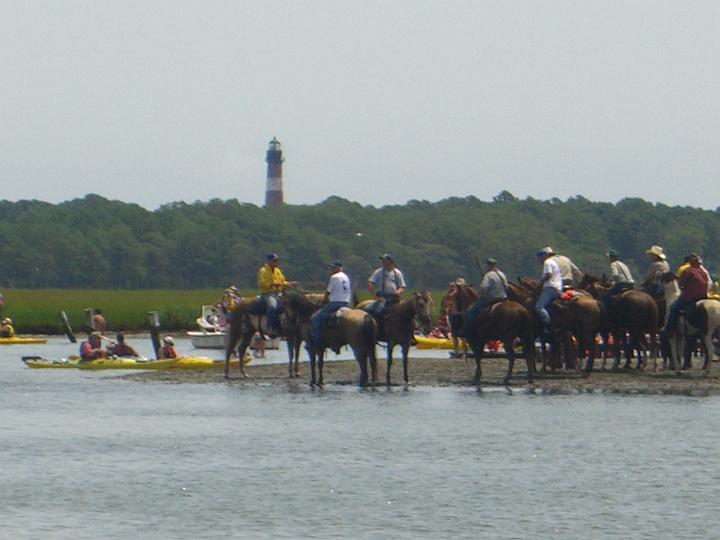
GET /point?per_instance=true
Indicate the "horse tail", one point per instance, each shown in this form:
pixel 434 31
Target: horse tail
pixel 370 334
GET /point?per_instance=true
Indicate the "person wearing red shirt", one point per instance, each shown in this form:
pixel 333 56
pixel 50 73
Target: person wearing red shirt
pixel 693 287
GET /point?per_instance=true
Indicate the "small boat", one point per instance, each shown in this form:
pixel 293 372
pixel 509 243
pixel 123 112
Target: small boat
pixel 181 363
pixel 426 342
pixel 19 340
pixel 212 336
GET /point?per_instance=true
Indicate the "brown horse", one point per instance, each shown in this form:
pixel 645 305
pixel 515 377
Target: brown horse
pixel 505 321
pixel 634 313
pixel 577 317
pixel 353 327
pixel 398 325
pixel 245 319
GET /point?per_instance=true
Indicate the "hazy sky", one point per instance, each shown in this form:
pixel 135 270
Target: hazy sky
pixel 378 102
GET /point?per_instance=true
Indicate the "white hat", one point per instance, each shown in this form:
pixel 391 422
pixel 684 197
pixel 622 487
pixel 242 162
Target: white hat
pixel 656 250
pixel 7 320
pixel 168 339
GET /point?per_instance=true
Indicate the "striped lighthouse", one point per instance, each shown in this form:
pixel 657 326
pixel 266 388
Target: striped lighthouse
pixel 274 185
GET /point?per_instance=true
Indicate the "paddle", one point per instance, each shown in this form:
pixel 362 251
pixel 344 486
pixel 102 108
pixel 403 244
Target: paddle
pixel 155 332
pixel 66 327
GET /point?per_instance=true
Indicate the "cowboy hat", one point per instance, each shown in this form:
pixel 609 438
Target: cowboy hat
pixel 657 251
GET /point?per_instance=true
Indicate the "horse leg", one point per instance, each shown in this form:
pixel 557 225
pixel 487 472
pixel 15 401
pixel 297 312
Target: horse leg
pixel 543 352
pixel 362 360
pixel 298 341
pixel 321 361
pixel 404 349
pixel 709 350
pixel 241 350
pixel 510 352
pixel 312 355
pixel 477 352
pixel 290 350
pixel 390 347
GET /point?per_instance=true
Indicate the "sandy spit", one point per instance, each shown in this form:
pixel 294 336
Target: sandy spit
pixel 443 372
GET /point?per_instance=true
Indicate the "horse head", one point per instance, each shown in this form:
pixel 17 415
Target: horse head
pixel 423 307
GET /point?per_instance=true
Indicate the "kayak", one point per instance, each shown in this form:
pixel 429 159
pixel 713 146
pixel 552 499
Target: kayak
pixel 425 342
pixel 18 340
pixel 184 362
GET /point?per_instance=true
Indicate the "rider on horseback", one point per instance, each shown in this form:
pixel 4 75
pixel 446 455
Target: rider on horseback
pixel 693 287
pixel 387 284
pixel 337 295
pixel 271 281
pixel 551 287
pixel 620 278
pixel 492 288
pixel 658 266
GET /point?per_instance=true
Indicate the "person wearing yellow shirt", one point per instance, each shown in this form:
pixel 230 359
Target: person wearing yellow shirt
pixel 271 282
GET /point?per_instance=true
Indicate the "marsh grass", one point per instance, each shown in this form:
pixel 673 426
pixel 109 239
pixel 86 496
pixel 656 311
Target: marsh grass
pixel 35 311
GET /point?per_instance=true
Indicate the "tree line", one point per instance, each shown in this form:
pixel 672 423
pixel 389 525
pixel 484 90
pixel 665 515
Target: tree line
pixel 94 242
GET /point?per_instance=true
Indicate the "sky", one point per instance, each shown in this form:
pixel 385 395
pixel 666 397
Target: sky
pixel 378 102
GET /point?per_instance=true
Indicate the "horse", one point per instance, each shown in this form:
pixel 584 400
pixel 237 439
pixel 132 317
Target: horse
pixel 505 321
pixel 702 321
pixel 398 325
pixel 245 319
pixel 578 316
pixel 296 310
pixel 634 313
pixel 353 327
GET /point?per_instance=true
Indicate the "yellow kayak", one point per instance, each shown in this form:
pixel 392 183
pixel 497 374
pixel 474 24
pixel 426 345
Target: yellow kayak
pixel 18 340
pixel 184 362
pixel 424 342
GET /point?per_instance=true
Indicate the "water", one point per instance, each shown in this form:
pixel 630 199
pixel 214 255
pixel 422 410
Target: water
pixel 88 456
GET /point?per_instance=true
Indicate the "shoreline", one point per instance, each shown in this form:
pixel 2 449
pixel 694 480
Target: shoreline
pixel 443 372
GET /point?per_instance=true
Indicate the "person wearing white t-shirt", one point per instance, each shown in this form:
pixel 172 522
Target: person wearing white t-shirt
pixel 551 283
pixel 387 283
pixel 337 295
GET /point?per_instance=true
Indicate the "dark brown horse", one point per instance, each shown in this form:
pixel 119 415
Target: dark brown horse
pixel 295 312
pixel 458 303
pixel 633 316
pixel 505 321
pixel 399 325
pixel 579 317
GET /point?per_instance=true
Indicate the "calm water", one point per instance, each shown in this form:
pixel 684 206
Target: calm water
pixel 85 456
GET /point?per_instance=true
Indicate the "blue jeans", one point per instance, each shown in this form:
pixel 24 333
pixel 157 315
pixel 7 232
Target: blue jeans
pixel 377 307
pixel 318 319
pixel 546 297
pixel 271 301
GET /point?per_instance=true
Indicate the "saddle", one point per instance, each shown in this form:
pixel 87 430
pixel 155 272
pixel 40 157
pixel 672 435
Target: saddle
pixel 335 319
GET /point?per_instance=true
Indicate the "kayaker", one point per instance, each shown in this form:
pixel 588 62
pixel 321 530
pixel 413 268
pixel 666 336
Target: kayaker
pixel 91 349
pixel 337 295
pixel 387 283
pixel 271 282
pixel 122 349
pixel 168 348
pixel 6 328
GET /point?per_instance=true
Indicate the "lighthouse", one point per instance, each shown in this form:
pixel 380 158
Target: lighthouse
pixel 274 185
